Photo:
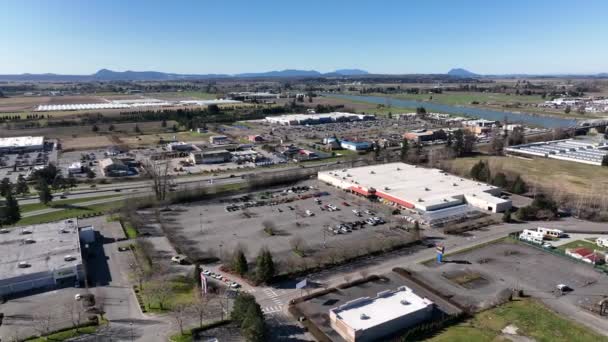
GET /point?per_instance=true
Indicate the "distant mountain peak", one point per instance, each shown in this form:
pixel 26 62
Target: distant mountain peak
pixel 460 72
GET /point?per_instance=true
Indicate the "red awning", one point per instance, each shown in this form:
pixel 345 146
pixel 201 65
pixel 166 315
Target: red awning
pixel 394 199
pixel 359 190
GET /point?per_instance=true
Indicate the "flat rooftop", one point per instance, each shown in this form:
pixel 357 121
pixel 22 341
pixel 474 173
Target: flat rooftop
pixel 416 185
pixel 21 142
pixel 52 243
pixel 365 313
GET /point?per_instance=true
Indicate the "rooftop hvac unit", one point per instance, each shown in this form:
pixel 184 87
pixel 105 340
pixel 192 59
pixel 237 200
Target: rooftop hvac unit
pixel 26 231
pixel 364 316
pixel 386 188
pixel 29 241
pixel 427 189
pixel 372 172
pixel 23 264
pixel 69 258
pixel 404 302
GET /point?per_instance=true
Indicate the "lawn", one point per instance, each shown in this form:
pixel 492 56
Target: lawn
pixel 465 98
pixel 129 229
pixel 581 243
pixel 182 292
pixel 532 318
pixel 194 95
pixel 66 334
pixel 572 178
pixel 57 204
pixel 68 213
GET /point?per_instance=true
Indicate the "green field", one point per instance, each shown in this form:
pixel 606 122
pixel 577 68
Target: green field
pixel 68 213
pixel 571 177
pixel 61 203
pixel 581 243
pixel 532 319
pixel 465 98
pixel 195 95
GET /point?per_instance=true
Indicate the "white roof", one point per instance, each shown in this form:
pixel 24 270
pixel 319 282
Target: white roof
pixel 21 141
pixel 422 187
pixel 386 306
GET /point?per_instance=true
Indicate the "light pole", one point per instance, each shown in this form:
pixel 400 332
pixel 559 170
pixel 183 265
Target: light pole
pixel 200 216
pixel 131 325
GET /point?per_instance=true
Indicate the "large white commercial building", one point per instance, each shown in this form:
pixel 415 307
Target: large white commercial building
pixel 42 256
pixel 315 119
pixel 585 152
pixel 21 144
pixel 412 187
pixel 371 319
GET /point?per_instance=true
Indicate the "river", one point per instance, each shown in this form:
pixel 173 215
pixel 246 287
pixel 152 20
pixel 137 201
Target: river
pixel 530 119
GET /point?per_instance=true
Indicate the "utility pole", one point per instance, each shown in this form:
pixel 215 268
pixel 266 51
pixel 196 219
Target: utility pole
pixel 201 219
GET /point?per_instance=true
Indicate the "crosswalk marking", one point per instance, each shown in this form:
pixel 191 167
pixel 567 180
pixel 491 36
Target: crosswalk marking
pixel 271 309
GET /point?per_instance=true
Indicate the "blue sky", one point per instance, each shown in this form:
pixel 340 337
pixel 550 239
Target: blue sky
pixel 82 36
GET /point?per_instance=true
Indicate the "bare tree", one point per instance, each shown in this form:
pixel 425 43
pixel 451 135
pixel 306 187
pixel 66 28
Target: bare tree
pixel 161 179
pixel 178 314
pixel 73 310
pixel 363 274
pixel 43 322
pixel 200 306
pixel 347 278
pixel 138 275
pixel 159 291
pixel 297 244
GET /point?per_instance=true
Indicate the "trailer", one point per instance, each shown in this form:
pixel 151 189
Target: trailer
pixel 550 233
pixel 531 236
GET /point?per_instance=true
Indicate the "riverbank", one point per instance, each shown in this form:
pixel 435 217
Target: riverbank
pixel 533 119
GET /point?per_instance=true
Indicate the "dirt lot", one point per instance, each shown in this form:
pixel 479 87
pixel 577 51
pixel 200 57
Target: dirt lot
pixel 207 227
pixel 481 277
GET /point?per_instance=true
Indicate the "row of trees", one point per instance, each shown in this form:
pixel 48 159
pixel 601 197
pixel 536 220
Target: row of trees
pixel 265 268
pixel 481 172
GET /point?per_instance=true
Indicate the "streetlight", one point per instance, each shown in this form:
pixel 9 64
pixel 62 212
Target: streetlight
pixel 131 325
pixel 201 219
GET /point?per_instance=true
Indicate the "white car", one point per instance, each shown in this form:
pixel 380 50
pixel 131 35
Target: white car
pixel 332 207
pixel 309 213
pixel 78 296
pixel 206 272
pixel 178 259
pixel 356 212
pixel 234 285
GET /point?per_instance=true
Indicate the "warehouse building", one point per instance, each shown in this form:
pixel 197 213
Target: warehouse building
pixel 316 119
pixel 44 256
pixel 371 319
pixel 579 151
pixel 21 144
pixel 421 189
pixel 114 167
pixel 355 145
pixel 210 156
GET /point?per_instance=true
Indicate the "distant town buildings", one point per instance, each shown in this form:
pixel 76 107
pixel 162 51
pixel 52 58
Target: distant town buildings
pixel 315 119
pixel 579 151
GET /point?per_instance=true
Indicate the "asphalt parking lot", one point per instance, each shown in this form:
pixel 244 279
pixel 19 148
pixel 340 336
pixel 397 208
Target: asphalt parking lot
pixel 477 277
pixel 218 228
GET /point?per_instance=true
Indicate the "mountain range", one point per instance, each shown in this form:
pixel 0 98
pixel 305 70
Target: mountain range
pixel 110 75
pixel 105 75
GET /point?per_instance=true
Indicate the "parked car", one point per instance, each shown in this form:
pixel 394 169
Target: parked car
pixel 178 259
pixel 332 207
pixel 309 213
pixel 357 212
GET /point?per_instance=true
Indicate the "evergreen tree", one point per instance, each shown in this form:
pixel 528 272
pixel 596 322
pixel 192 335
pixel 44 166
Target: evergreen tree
pixel 163 123
pixel 12 211
pixel 506 217
pixel 519 186
pixel 90 174
pixel 111 128
pixel 253 327
pixel 605 159
pixel 405 147
pixel 241 306
pixel 5 186
pixel 264 266
pixel 22 187
pixel 94 128
pixel 136 129
pixel 500 180
pixel 44 193
pixel 239 263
